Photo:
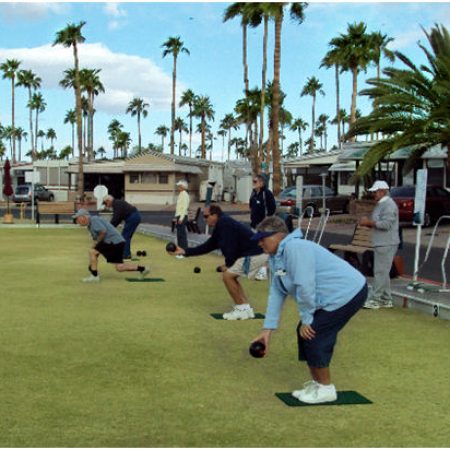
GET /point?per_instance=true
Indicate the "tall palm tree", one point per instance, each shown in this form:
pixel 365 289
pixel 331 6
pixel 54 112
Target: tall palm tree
pixel 180 126
pixel 299 125
pixel 312 87
pixel 356 55
pixel 378 43
pixel 162 131
pixel 41 134
pixel 187 98
pixel 322 121
pixel 71 37
pixel 71 117
pixel 20 135
pixel 65 152
pixel 173 46
pixel 228 123
pixel 203 109
pixel 222 133
pixel 296 11
pixel 137 107
pixel 10 69
pixel 285 120
pixel 123 141
pixel 85 114
pixel 29 80
pixel 410 104
pixel 91 84
pixel 51 135
pixel 114 129
pixel 37 103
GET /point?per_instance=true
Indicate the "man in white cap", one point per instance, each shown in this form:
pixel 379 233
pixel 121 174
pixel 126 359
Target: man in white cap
pixel 107 242
pixel 181 215
pixel 385 240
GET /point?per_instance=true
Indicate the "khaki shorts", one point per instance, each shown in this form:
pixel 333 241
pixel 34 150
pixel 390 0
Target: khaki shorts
pixel 256 262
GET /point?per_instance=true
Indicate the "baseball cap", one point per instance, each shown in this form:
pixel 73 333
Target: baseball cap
pixel 182 183
pixel 261 235
pixel 379 184
pixel 81 212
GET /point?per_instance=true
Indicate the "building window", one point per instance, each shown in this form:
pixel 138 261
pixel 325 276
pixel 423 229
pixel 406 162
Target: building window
pixel 149 178
pixel 163 178
pixel 134 178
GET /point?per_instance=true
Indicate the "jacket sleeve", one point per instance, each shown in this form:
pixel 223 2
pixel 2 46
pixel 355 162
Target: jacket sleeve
pixel 387 218
pixel 207 247
pixel 271 205
pixel 274 305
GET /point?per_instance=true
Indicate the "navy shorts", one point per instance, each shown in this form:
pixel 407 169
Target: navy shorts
pixel 112 252
pixel 318 351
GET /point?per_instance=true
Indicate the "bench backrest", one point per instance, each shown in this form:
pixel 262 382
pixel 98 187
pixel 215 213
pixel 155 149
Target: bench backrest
pixel 362 237
pixel 56 207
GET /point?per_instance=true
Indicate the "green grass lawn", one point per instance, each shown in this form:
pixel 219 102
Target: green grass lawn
pixel 123 364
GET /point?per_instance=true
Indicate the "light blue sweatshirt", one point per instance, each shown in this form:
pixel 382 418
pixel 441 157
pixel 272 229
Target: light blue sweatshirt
pixel 312 275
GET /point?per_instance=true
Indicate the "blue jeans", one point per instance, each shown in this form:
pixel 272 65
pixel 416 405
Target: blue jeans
pixel 131 223
pixel 182 234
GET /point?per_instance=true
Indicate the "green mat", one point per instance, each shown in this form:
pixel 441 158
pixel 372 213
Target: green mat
pixel 219 316
pixel 344 398
pixel 144 280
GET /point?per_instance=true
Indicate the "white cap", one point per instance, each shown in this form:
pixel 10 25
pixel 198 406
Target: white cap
pixel 379 184
pixel 182 183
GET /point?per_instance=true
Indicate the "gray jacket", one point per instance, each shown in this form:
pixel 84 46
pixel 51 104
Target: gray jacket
pixel 385 216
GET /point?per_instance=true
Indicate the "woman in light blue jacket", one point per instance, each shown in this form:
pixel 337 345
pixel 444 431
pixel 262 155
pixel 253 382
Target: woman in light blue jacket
pixel 328 292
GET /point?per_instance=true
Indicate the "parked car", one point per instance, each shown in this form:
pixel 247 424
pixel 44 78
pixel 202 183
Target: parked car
pixel 437 203
pixel 22 193
pixel 312 196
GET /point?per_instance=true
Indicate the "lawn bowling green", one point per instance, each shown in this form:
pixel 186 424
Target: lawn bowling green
pixel 120 364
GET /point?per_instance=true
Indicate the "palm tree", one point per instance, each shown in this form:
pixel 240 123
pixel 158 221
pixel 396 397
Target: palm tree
pixel 101 151
pixel 114 129
pixel 173 46
pixel 2 150
pixel 9 69
pixel 180 126
pixel 85 114
pixel 285 119
pixel 277 13
pixel 228 123
pixel 322 122
pixel 71 117
pixel 299 125
pixel 292 150
pixel 410 104
pixel 356 55
pixel 70 37
pixel 20 135
pixel 51 134
pixel 7 133
pixel 38 104
pixel 137 107
pixel 123 142
pixel 91 84
pixel 66 152
pixel 335 58
pixel 30 81
pixel 203 109
pixel 378 43
pixel 222 133
pixel 162 131
pixel 187 98
pixel 41 134
pixel 312 87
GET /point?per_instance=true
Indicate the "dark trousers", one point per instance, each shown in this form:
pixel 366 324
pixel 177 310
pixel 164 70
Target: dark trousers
pixel 131 223
pixel 182 234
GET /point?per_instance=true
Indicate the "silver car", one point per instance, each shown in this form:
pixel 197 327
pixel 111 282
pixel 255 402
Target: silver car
pixel 22 193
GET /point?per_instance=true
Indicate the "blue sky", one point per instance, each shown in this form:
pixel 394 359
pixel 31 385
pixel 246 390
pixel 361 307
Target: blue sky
pixel 124 41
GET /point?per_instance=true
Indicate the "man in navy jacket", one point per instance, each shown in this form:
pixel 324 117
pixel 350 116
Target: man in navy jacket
pixel 242 257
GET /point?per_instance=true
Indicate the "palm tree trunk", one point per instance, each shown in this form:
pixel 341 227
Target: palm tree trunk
pixel 179 145
pixel 33 151
pixel 263 88
pixel 139 131
pixel 79 125
pixel 174 83
pixel 190 131
pixel 229 144
pixel 276 105
pixel 354 93
pixel 12 120
pixel 313 123
pixel 338 105
pixel 203 138
pixel 73 140
pixel 36 129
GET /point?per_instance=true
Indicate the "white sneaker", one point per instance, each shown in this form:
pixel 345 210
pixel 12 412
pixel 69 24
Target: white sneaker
pixel 319 393
pixel 145 272
pixel 262 274
pixel 386 304
pixel 371 304
pixel 179 256
pixel 308 386
pixel 91 279
pixel 237 314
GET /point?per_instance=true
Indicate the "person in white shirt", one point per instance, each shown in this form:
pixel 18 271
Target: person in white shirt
pixel 181 214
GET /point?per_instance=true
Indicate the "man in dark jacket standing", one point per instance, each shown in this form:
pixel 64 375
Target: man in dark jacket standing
pixel 123 211
pixel 242 257
pixel 262 204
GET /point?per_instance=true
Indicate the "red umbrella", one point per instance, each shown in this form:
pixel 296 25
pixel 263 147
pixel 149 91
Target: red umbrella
pixel 7 182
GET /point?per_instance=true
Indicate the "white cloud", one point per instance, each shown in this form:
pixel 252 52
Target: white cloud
pixel 116 15
pixel 31 11
pixel 406 39
pixel 123 76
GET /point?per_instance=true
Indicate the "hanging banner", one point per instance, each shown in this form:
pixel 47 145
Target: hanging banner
pixel 420 198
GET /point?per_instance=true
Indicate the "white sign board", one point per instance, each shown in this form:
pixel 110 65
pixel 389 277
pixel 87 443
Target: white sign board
pixel 32 177
pixel 100 192
pixel 299 200
pixel 420 199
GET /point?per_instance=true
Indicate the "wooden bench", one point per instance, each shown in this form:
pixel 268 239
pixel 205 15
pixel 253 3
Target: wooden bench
pixel 56 208
pixel 360 244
